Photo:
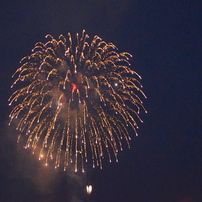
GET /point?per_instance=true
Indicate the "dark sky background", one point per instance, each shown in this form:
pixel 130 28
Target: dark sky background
pixel 164 163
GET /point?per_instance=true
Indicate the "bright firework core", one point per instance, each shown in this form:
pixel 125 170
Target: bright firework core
pixel 74 86
pixel 77 101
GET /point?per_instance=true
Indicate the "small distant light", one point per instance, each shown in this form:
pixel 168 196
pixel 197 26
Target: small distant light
pixel 116 84
pixel 89 189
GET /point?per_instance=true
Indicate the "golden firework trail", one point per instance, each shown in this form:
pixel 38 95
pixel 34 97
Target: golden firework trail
pixel 78 100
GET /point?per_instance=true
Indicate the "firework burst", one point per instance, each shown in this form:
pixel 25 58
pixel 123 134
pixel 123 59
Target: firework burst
pixel 77 102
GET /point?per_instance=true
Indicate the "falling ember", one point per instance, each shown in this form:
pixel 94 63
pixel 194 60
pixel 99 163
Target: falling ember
pixel 77 101
pixel 89 189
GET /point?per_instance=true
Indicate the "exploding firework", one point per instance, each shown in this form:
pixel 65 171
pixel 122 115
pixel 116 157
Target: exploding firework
pixel 77 101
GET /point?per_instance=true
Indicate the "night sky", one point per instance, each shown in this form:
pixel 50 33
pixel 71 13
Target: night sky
pixel 164 163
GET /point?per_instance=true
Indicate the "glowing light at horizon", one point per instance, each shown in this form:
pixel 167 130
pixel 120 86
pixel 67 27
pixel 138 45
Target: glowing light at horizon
pixel 89 189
